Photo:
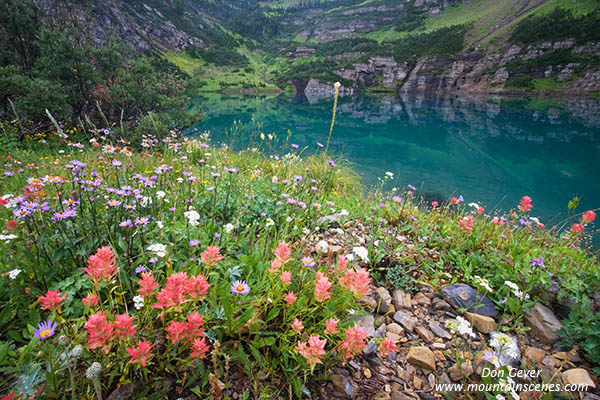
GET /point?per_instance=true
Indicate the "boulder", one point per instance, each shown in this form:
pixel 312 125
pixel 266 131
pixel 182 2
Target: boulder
pixel 368 324
pixel 421 356
pixel 464 296
pixel 543 323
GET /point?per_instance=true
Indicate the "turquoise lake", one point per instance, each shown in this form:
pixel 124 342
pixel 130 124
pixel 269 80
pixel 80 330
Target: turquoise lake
pixel 489 150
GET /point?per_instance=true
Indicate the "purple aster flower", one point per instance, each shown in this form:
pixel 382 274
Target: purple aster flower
pixel 215 175
pixel 294 146
pixel 411 187
pixel 539 262
pixel 492 358
pixel 117 163
pixel 45 329
pixel 217 235
pixel 8 173
pixel 126 223
pixel 240 287
pixel 140 268
pixel 113 203
pixel 153 260
pixel 332 163
pixel 396 199
pixel 141 221
pixel 308 262
pixel 194 242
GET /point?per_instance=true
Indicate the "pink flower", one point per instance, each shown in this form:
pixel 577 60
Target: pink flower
pixel 174 293
pixel 290 298
pixel 141 353
pixel 147 284
pixel 454 200
pixel 90 300
pixel 52 300
pixel 211 255
pixel 99 330
pixel 313 350
pixel 498 221
pixel 576 228
pixel 283 253
pixel 356 281
pixel 525 204
pixel 588 217
pixel 199 348
pixel 101 266
pixel 194 326
pixel 354 342
pixel 176 331
pixel 480 210
pixel 466 223
pixel 434 204
pixel 342 264
pixel 322 286
pixel 123 326
pixel 286 277
pixel 386 346
pixel 275 265
pixel 331 326
pixel 297 325
pixel 197 286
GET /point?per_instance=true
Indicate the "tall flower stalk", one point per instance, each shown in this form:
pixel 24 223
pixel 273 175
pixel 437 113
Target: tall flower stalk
pixel 336 87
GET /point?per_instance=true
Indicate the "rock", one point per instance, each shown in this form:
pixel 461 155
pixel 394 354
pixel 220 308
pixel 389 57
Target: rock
pixel 425 334
pixel 343 385
pixel 417 382
pixel 398 395
pixel 464 296
pixel 393 336
pixel 332 220
pixel 371 350
pixel 421 299
pixel 578 376
pixel 383 395
pixel 395 328
pixel 380 332
pixel 439 346
pixel 534 355
pixel 422 357
pixel 482 323
pixel 367 373
pixel 368 323
pixel 401 300
pixel 406 320
pixel 465 370
pixel 124 392
pixel 384 300
pixel 439 331
pixel 543 323
pixel 369 302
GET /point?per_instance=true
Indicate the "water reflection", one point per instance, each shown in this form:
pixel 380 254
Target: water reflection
pixel 489 149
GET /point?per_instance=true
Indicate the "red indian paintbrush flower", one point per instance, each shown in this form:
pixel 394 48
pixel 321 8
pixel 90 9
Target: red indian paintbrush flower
pixel 322 286
pixel 313 350
pixel 199 348
pixel 52 300
pixel 356 281
pixel 147 284
pixel 211 255
pixel 525 204
pixel 141 353
pixel 386 346
pixel 283 253
pixel 588 217
pixel 101 266
pixel 123 326
pixel 99 330
pixel 90 300
pixel 354 342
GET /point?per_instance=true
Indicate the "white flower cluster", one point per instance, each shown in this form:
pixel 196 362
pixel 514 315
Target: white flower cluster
pixel 460 326
pixel 14 273
pixel 7 238
pixel 158 249
pixel 505 346
pixel 192 217
pixel 516 291
pixel 361 252
pixel 138 302
pixel 479 281
pixel 93 371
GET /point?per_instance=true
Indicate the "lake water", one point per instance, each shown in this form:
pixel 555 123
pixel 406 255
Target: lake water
pixel 489 150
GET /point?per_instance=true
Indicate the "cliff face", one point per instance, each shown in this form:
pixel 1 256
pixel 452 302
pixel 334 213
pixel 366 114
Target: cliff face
pixel 480 73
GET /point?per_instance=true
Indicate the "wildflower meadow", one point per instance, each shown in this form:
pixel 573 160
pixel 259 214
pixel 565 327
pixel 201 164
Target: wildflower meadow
pixel 178 269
